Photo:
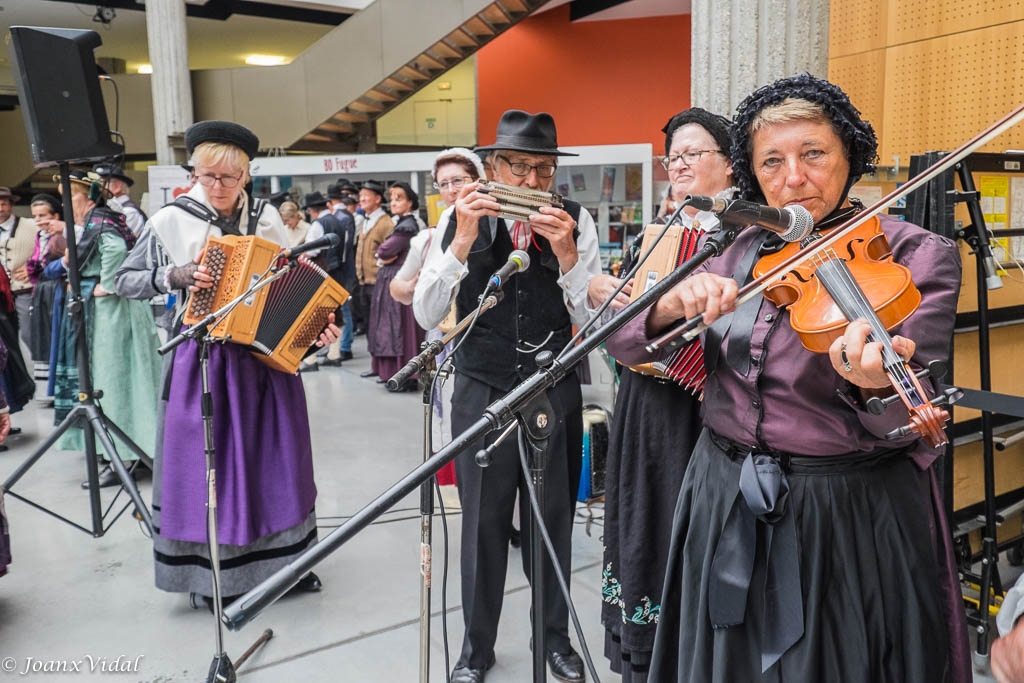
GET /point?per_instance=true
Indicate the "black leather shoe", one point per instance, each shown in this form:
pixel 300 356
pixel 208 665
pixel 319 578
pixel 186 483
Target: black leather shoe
pixel 336 363
pixel 368 373
pixel 463 674
pixel 108 477
pixel 567 667
pixel 310 583
pixel 346 355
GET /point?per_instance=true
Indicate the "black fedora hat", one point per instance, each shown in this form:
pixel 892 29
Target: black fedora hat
pixel 520 131
pixel 334 192
pixel 373 186
pixel 314 199
pixel 112 171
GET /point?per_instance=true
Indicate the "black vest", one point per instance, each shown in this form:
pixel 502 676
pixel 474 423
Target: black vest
pixel 333 257
pixel 501 349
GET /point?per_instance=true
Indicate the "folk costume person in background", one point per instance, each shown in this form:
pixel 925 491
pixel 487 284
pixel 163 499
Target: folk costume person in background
pixel 119 183
pixel 5 428
pixel 17 239
pixel 654 429
pixel 851 577
pixel 376 227
pixel 536 314
pixel 397 337
pixel 265 483
pixel 119 333
pixel 298 226
pixel 50 246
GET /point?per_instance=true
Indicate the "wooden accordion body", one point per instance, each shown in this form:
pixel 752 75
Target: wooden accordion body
pixel 685 366
pixel 280 322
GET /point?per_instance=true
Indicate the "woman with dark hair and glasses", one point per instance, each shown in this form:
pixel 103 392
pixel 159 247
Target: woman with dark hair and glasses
pixel 654 429
pixel 264 457
pixel 807 545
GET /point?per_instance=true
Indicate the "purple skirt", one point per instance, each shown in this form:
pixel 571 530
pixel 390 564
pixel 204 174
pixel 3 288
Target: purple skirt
pixel 263 453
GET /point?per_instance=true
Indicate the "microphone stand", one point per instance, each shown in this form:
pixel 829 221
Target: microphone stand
pixel 496 415
pixel 221 668
pixel 425 364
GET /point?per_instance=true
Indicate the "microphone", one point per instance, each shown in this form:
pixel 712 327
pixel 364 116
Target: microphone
pixel 330 240
pixel 792 223
pixel 518 261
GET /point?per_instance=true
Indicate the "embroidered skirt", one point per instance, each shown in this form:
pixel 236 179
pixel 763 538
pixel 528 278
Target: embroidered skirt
pixel 655 427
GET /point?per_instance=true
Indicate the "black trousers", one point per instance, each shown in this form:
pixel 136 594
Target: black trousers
pixel 361 306
pixel 488 497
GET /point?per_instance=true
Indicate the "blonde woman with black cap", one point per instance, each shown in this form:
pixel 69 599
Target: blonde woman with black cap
pixel 265 486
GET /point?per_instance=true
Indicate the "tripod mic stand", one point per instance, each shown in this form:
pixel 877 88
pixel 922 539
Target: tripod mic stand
pixel 222 670
pixel 425 364
pixel 499 413
pixel 88 414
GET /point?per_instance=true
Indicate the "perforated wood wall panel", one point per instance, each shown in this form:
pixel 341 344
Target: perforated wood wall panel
pixel 941 92
pixel 856 26
pixel 912 20
pixel 862 76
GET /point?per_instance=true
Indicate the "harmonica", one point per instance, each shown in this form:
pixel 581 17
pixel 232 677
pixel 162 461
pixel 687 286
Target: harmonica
pixel 518 203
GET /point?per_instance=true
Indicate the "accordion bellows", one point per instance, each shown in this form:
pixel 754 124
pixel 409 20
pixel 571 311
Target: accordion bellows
pixel 685 366
pixel 280 322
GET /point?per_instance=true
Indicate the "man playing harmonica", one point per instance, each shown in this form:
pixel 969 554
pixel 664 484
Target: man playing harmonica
pixel 539 307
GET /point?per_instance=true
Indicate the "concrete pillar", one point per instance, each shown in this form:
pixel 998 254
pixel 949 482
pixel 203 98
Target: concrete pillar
pixel 171 81
pixel 739 45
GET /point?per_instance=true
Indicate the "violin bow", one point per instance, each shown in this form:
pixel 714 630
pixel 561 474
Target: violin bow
pixel 690 329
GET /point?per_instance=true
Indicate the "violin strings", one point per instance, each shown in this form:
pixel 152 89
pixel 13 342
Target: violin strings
pixel 854 304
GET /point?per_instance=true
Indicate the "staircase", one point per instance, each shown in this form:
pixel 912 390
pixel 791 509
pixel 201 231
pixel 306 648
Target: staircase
pixel 357 72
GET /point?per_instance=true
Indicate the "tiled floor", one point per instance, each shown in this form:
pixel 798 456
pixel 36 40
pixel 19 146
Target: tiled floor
pixel 70 597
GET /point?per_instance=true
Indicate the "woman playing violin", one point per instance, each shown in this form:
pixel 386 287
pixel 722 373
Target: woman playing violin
pixel 807 546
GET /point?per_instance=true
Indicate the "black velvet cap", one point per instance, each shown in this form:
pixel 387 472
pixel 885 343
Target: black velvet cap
pixel 48 199
pixel 717 126
pixel 409 193
pixel 226 132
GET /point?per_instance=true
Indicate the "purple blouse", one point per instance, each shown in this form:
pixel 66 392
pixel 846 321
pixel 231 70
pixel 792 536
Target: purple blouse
pixel 792 400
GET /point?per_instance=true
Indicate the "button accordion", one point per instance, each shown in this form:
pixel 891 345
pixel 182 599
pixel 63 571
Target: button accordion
pixel 280 322
pixel 685 366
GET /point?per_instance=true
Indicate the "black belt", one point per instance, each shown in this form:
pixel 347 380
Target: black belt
pixel 762 493
pixel 22 291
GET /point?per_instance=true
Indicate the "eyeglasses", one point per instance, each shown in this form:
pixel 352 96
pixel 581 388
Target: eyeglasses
pixel 689 158
pixel 520 169
pixel 208 180
pixel 454 183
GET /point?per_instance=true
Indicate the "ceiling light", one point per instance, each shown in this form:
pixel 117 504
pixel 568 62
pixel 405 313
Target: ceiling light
pixel 104 15
pixel 265 60
pixel 145 68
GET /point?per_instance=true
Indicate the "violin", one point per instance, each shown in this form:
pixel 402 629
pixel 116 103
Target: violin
pixel 926 419
pixel 856 278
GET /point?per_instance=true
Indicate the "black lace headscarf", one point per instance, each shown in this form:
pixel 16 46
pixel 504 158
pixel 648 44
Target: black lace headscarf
pixel 857 134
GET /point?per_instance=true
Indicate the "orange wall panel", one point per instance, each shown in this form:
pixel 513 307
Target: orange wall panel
pixel 605 82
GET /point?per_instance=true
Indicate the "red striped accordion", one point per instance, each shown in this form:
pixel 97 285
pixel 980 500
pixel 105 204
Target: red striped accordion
pixel 686 365
pixel 281 321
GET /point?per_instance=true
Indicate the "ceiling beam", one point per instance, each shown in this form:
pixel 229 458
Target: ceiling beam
pixel 578 9
pixel 224 9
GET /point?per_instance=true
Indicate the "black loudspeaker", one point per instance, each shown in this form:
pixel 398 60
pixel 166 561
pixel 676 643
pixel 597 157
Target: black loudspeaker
pixel 59 92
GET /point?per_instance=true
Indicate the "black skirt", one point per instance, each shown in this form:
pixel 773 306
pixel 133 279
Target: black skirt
pixel 655 426
pixel 869 580
pixel 18 385
pixel 41 319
